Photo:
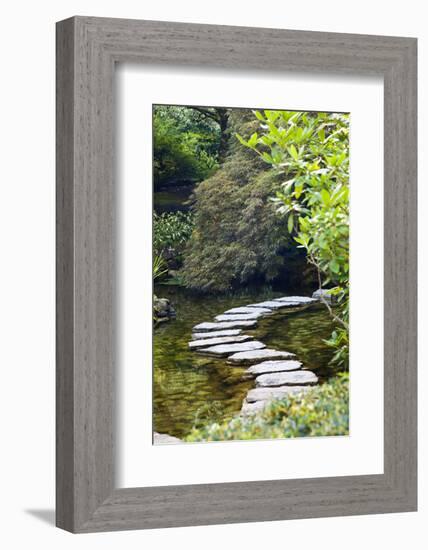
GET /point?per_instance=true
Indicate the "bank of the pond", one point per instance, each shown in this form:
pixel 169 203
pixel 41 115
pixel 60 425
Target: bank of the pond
pixel 321 411
pixel 192 390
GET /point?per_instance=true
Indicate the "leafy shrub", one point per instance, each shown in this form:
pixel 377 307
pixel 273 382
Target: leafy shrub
pixel 171 230
pixel 322 411
pixel 237 237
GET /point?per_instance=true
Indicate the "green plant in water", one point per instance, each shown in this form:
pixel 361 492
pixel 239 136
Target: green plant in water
pixel 311 152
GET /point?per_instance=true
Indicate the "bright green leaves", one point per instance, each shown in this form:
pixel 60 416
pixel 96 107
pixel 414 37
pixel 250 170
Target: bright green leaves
pixel 293 152
pixel 312 151
pixel 253 140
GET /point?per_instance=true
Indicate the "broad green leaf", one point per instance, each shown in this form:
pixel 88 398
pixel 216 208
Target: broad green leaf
pixel 293 152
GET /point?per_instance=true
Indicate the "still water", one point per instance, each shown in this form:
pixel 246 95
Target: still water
pixel 192 390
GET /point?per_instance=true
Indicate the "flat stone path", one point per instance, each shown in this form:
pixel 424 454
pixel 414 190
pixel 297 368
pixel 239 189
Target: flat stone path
pixel 207 342
pixel 216 333
pixel 247 309
pixel 267 394
pixel 252 408
pixel 239 316
pixel 298 300
pixel 164 439
pixel 228 349
pixel 205 327
pixel 258 355
pixel 267 367
pixel 296 378
pixel 277 372
pixel 270 304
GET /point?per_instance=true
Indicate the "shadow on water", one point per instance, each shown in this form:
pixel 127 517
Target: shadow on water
pixel 192 389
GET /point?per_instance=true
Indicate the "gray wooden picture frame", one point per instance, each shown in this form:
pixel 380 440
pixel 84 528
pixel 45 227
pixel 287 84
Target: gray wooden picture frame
pixel 87 50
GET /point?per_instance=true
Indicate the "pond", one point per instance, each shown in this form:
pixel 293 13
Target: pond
pixel 191 389
pixel 172 200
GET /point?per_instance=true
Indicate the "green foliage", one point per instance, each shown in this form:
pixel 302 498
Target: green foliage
pixel 171 230
pixel 311 153
pixel 322 411
pixel 160 267
pixel 185 145
pixel 237 236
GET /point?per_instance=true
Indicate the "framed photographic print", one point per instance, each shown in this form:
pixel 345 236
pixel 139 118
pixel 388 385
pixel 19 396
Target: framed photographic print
pixel 236 274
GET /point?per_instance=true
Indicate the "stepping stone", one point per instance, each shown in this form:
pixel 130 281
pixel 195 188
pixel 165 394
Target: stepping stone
pixel 323 295
pixel 297 299
pixel 206 342
pixel 296 378
pixel 249 409
pixel 266 394
pixel 165 439
pixel 206 327
pixel 258 355
pixel 268 367
pixel 216 333
pixel 247 309
pixel 228 349
pixel 270 304
pixel 239 317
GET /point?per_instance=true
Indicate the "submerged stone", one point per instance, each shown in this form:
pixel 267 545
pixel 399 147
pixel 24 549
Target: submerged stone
pixel 214 334
pixel 258 355
pixel 207 342
pixel 247 309
pixel 206 327
pixel 267 367
pixel 267 394
pixel 296 378
pixel 239 317
pixel 228 349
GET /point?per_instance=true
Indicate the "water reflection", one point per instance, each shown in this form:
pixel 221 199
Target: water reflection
pixel 190 389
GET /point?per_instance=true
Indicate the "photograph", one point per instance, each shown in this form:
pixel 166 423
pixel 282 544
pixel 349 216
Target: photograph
pixel 250 266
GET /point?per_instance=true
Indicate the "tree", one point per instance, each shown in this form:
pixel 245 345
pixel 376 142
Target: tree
pixel 185 145
pixel 220 115
pixel 310 151
pixel 237 236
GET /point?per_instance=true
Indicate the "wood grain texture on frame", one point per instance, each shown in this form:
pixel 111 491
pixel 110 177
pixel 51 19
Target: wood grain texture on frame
pixel 87 50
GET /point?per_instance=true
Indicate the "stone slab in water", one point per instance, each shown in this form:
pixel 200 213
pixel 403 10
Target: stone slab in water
pixel 270 304
pixel 267 394
pixel 252 408
pixel 228 349
pixel 258 355
pixel 297 299
pixel 206 342
pixel 248 309
pixel 238 316
pixel 296 378
pixel 323 295
pixel 267 367
pixel 165 439
pixel 206 327
pixel 216 333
